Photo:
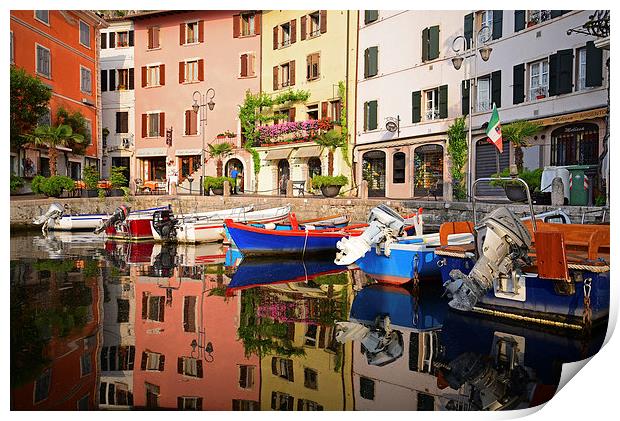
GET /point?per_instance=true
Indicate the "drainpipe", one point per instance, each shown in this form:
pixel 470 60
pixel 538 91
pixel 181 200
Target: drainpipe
pixel 357 45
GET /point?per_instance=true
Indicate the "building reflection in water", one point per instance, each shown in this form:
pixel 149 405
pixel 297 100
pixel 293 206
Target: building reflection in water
pixel 143 325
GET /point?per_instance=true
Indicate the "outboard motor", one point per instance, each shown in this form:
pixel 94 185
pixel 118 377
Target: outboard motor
pixel 164 224
pixel 381 344
pixel 53 212
pixel 165 262
pixel 119 215
pixel 506 243
pixel 385 225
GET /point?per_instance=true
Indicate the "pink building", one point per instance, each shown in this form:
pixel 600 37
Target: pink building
pixel 176 54
pixel 172 312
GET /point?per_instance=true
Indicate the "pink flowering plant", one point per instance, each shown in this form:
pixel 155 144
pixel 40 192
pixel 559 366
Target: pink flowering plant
pixel 306 130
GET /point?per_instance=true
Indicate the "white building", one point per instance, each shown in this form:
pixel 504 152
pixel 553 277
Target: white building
pixel 117 95
pixel 535 72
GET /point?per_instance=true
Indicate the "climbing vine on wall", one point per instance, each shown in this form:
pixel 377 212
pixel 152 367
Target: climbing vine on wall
pixel 343 122
pixel 457 150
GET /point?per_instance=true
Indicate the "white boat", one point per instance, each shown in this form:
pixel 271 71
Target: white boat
pixel 209 229
pixel 56 219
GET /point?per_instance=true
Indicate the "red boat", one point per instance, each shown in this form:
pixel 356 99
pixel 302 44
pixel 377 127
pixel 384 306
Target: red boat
pixel 135 227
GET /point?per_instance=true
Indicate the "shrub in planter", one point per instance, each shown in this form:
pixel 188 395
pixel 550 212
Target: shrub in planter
pixel 52 186
pixel 16 183
pixel 216 184
pixel 514 189
pixel 329 185
pixel 118 181
pixel 91 178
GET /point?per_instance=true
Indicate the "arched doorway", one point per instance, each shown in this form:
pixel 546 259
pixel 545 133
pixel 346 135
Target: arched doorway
pixel 314 167
pixel 235 164
pixel 284 174
pixel 486 165
pixel 373 171
pixel 428 171
pixel 575 144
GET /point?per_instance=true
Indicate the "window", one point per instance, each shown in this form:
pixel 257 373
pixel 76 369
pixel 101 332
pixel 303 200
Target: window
pixel 189 303
pixel 313 112
pixel 246 376
pixel 122 39
pixel 281 401
pixel 88 132
pixel 192 403
pixel 153 361
pixel 581 69
pixel 247 64
pixel 335 111
pixel 115 358
pixel 313 66
pixel 85 364
pixel 311 332
pixel 286 34
pixel 122 305
pixel 42 385
pixel 191 33
pixel 282 367
pixel 152 75
pixel 46 118
pixel 191 71
pixel 370 115
pixel 367 388
pixel 153 305
pixel 398 168
pixel 315 24
pixel 308 405
pixel 247 24
pixel 430 43
pixel 431 104
pixel 539 79
pixel 483 95
pixel 115 394
pixel 153 37
pixel 42 16
pixel 311 378
pixel 537 16
pixel 485 18
pixel 190 367
pixel 43 61
pixel 84 34
pixel 371 59
pixel 152 395
pixel 123 79
pixel 245 405
pixel 285 71
pixel 370 16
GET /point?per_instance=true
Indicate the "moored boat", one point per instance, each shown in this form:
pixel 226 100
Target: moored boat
pixel 58 218
pixel 129 225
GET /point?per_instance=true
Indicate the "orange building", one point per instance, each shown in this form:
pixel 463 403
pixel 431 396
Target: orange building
pixel 61 49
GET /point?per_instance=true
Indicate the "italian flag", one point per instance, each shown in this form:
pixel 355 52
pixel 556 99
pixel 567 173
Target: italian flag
pixel 494 130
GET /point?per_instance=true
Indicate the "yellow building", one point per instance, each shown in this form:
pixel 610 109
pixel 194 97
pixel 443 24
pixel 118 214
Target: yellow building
pixel 313 51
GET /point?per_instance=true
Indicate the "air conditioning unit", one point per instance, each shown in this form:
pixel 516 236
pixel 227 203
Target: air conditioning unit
pixel 125 143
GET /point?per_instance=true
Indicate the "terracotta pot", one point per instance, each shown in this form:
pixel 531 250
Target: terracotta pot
pixel 330 191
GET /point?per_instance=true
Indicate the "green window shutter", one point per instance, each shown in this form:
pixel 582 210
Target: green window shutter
pixel 498 16
pixel 365 116
pixel 416 106
pixel 565 71
pixel 425 44
pixel 372 115
pixel 553 74
pixel 370 16
pixel 465 97
pixel 556 13
pixel 468 26
pixel 433 47
pixel 443 101
pixel 518 83
pixel 373 56
pixel 366 61
pixel 594 65
pixel 496 88
pixel 519 20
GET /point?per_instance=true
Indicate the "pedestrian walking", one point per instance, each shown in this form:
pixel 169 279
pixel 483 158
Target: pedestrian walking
pixel 233 174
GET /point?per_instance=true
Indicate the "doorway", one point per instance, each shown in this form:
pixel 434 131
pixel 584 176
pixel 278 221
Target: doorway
pixel 284 174
pixel 373 171
pixel 235 164
pixel 189 165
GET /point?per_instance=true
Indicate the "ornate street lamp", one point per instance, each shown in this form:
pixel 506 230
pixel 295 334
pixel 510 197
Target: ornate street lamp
pixel 202 102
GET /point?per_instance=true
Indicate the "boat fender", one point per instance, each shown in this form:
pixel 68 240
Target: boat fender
pixel 269 226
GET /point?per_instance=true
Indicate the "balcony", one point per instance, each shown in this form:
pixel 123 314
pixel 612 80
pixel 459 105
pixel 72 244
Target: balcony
pixel 293 131
pixel 231 138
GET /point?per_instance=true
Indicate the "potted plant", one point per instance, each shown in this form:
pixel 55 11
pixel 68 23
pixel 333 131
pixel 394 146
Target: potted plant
pixel 216 184
pixel 330 185
pixel 514 190
pixel 16 183
pixel 52 186
pixel 118 181
pixel 91 178
pixel 229 134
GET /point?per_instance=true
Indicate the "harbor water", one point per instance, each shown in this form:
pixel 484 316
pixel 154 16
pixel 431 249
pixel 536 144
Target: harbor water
pixel 99 324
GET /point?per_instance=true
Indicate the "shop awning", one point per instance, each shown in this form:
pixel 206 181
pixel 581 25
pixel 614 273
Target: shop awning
pixel 307 152
pixel 278 154
pixel 146 152
pixel 187 152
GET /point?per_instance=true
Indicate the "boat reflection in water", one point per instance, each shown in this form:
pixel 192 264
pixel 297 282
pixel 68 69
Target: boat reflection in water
pixel 156 326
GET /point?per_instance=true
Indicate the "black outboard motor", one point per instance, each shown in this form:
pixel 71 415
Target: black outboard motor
pixel 164 224
pixel 119 215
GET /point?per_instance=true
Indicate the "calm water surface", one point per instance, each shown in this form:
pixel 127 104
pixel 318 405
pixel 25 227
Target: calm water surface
pixel 105 325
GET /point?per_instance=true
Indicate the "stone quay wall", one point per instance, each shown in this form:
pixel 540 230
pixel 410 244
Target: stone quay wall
pixel 23 210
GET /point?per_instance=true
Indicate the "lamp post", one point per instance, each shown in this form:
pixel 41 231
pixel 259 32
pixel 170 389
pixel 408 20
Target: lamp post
pixel 203 103
pixel 482 37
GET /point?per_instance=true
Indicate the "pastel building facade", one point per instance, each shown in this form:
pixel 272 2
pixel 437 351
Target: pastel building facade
pixel 535 72
pixel 307 50
pixel 61 49
pixel 176 54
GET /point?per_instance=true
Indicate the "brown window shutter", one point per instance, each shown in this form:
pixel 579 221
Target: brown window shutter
pixel 162 361
pixel 236 26
pixel 251 65
pixel 323 18
pixel 257 20
pixel 150 41
pixel 180 365
pixel 187 123
pixel 144 133
pixel 201 70
pixel 291 67
pixel 201 31
pixel 291 114
pixel 179 402
pixel 309 67
pixel 293 31
pixel 182 34
pixel 244 65
pixel 324 105
pixel 161 299
pixel 275 37
pixel 275 78
pixel 156 38
pixel 193 119
pixel 143 361
pixel 143 76
pixel 162 74
pixel 162 133
pixel 303 28
pixel 181 71
pixel 199 369
pixel 199 404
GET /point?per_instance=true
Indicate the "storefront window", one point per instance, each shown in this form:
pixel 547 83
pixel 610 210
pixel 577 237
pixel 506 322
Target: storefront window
pixel 157 169
pixel 428 172
pixel 398 170
pixel 373 171
pixel 575 144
